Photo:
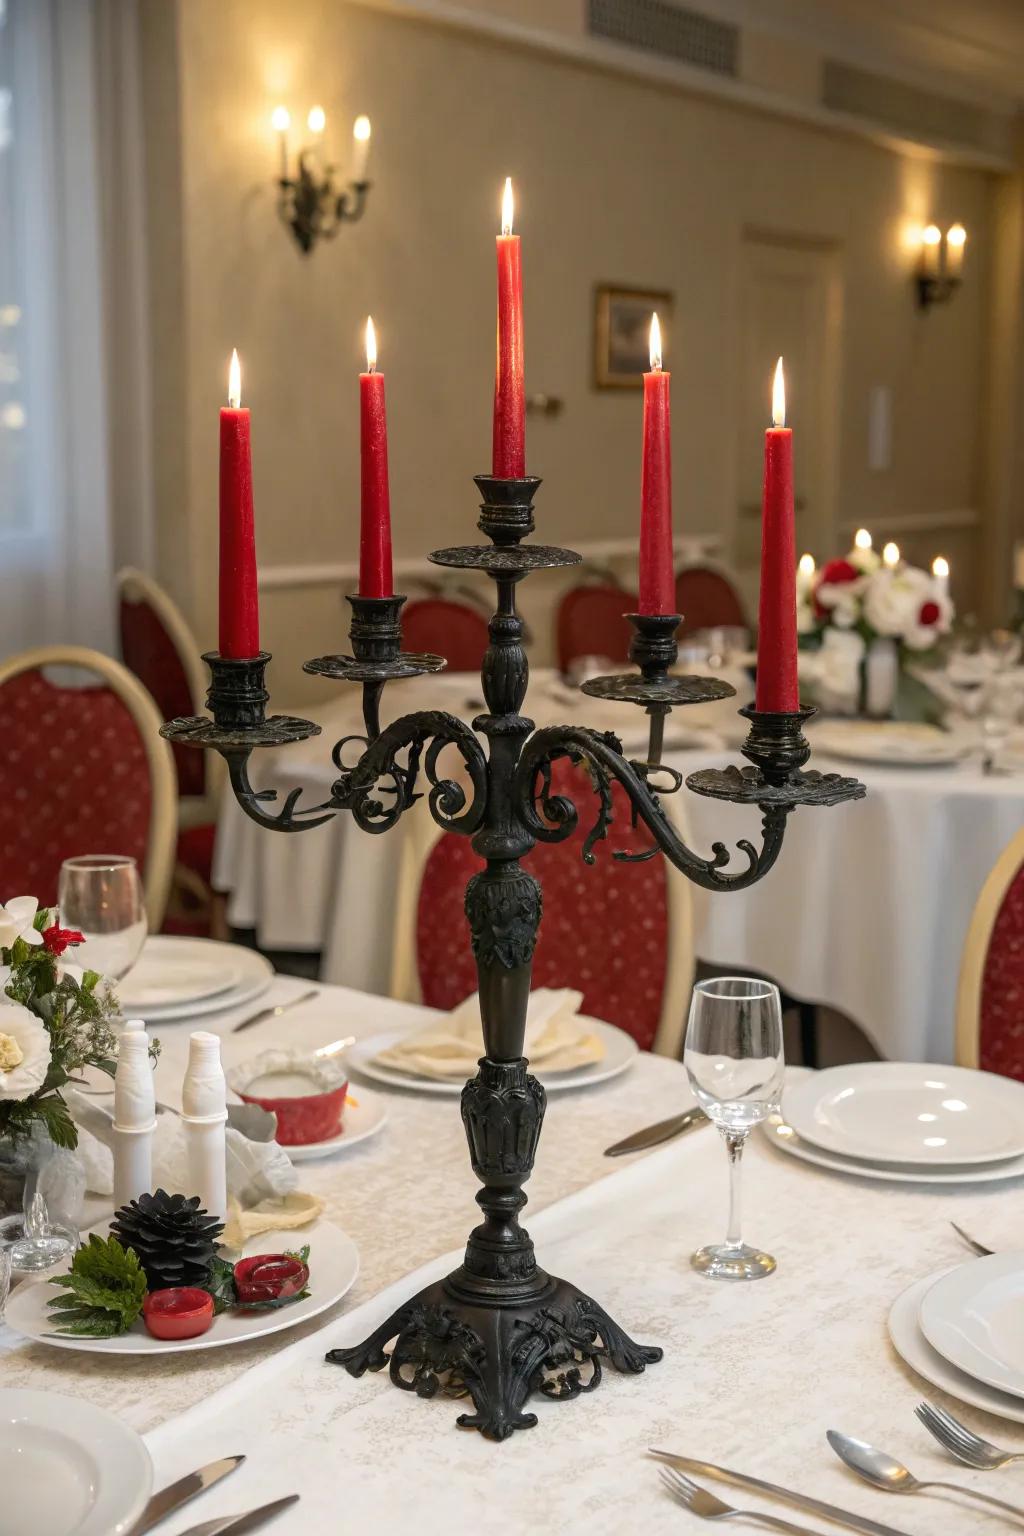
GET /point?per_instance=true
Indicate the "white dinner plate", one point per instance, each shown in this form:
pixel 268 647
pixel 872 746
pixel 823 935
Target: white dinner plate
pixel 362 1120
pixel 333 1267
pixel 909 1112
pixel 912 1346
pixel 248 975
pixel 172 972
pixel 620 1051
pixel 69 1469
pixel 974 1317
pixel 892 744
pixel 782 1135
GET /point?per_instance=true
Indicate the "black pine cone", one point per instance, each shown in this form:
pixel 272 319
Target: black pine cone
pixel 174 1239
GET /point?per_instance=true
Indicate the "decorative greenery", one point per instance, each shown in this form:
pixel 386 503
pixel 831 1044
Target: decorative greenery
pixel 221 1285
pixel 175 1239
pixel 106 1287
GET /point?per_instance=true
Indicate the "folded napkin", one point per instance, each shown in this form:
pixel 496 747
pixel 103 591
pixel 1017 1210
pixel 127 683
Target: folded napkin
pixel 557 1039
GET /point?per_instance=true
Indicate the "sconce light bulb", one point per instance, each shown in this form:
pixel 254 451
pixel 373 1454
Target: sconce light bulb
pixel 931 234
pixel 280 120
pixel 807 566
pixel 316 122
pixel 956 235
pixel 779 396
pixel 507 207
pixel 654 344
pixel 234 382
pixel 940 567
pixel 371 346
pixel 862 539
pixel 891 555
pixel 361 129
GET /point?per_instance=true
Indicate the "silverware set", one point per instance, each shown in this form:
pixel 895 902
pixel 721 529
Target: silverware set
pixel 176 1495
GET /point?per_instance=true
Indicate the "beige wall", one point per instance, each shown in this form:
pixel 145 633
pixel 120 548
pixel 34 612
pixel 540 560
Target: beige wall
pixel 618 180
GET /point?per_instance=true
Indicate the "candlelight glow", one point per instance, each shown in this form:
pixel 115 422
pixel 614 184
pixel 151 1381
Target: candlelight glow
pixel 280 120
pixel 507 207
pixel 655 344
pixel 807 566
pixel 862 539
pixel 779 396
pixel 891 555
pixel 956 235
pixel 931 234
pixel 361 128
pixel 316 122
pixel 371 346
pixel 940 568
pixel 234 382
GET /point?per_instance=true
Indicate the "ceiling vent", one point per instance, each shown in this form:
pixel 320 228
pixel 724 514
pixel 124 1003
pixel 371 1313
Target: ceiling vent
pixel 672 31
pixel 904 108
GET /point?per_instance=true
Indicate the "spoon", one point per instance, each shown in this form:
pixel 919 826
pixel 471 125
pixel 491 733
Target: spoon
pixel 886 1472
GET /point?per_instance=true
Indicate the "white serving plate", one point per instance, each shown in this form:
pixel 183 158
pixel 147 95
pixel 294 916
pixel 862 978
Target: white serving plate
pixel 974 1318
pixel 333 1267
pixel 890 745
pixel 782 1135
pixel 620 1051
pixel 909 1112
pixel 69 1469
pixel 363 1119
pixel 247 974
pixel 912 1347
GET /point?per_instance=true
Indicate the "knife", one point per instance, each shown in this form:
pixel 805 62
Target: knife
pixel 173 1497
pixel 798 1500
pixel 654 1135
pixel 236 1525
pixel 275 1010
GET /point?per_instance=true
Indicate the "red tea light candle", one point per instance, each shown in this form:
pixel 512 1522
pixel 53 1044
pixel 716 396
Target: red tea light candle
pixel 375 573
pixel 508 442
pixel 657 560
pixel 777 688
pixel 239 630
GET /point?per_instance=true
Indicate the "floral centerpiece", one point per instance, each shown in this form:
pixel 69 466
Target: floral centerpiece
pixel 55 1019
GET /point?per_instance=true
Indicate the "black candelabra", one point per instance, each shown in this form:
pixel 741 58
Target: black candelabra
pixel 312 206
pixel 499 1328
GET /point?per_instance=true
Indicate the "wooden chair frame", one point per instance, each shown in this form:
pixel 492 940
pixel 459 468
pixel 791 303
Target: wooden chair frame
pixel 975 950
pixel 163 824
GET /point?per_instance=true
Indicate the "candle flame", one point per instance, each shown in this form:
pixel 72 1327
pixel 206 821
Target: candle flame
pixel 807 566
pixel 940 567
pixel 654 343
pixel 931 235
pixel 862 539
pixel 280 119
pixel 361 128
pixel 234 382
pixel 316 122
pixel 891 555
pixel 371 346
pixel 507 207
pixel 779 397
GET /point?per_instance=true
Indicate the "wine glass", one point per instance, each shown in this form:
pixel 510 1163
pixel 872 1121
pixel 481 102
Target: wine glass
pixel 101 896
pixel 734 1058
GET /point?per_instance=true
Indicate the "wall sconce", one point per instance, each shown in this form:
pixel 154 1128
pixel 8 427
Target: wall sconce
pixel 309 201
pixel 940 264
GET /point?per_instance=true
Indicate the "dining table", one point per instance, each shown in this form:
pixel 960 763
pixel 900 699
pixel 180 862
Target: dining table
pixel 866 911
pixel 752 1376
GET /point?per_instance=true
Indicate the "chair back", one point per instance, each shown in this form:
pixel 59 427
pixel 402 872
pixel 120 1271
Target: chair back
pixel 158 646
pixel 87 772
pixel 707 599
pixel 990 995
pixel 444 627
pixel 592 622
pixel 619 933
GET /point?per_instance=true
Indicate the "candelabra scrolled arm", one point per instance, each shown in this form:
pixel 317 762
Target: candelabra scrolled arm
pixel 552 818
pixel 379 772
pixel 286 818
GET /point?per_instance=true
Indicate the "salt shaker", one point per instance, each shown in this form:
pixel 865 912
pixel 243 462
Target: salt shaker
pixel 134 1116
pixel 204 1120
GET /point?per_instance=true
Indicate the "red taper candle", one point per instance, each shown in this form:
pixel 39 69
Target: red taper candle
pixel 657 561
pixel 508 443
pixel 777 686
pixel 239 630
pixel 375 574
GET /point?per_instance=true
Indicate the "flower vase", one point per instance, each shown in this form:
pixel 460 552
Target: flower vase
pixel 880 675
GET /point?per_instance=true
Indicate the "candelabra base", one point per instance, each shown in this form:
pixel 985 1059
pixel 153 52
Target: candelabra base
pixel 552 1341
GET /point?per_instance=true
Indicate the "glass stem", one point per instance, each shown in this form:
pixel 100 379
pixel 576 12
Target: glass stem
pixel 734 1144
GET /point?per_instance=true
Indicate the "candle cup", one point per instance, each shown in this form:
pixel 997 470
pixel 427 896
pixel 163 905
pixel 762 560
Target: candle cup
pixel 776 743
pixel 376 627
pixel 653 646
pixel 506 512
pixel 237 696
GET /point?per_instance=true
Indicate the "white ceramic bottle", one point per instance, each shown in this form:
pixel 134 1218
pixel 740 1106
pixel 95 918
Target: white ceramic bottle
pixel 204 1120
pixel 134 1115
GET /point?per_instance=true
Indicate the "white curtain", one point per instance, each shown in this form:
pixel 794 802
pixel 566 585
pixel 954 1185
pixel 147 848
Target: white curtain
pixel 66 352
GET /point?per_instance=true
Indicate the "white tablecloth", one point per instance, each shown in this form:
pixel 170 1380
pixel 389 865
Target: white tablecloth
pixel 866 911
pixel 753 1375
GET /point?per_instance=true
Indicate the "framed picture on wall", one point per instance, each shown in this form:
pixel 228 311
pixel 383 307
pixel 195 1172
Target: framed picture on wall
pixel 622 322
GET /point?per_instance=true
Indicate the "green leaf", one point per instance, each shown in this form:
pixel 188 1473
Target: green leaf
pixel 53 1112
pixel 90 981
pixel 302 1255
pixel 221 1285
pixel 107 1288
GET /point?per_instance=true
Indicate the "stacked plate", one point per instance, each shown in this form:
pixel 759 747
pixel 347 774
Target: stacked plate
pixel 187 978
pixel 905 1122
pixel 902 744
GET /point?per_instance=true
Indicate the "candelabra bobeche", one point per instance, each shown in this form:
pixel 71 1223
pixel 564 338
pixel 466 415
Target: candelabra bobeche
pixel 499 1328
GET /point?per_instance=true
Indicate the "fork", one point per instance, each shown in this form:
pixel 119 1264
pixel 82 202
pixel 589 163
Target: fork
pixel 962 1442
pixel 972 1242
pixel 707 1507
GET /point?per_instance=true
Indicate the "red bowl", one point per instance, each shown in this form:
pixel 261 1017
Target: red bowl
pixel 269 1277
pixel 179 1312
pixel 304 1118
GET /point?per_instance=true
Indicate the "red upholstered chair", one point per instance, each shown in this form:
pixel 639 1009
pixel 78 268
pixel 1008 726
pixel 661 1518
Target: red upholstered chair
pixel 84 770
pixel 707 599
pixel 158 646
pixel 591 622
pixel 619 933
pixel 443 627
pixel 990 997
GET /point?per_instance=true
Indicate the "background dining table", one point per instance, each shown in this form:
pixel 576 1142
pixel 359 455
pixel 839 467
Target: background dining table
pixel 753 1375
pixel 866 911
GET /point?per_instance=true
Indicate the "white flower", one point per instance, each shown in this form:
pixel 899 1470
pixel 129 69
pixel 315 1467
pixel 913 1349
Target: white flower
pixel 934 618
pixel 866 561
pixel 842 600
pixel 16 919
pixel 24 1052
pixel 894 599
